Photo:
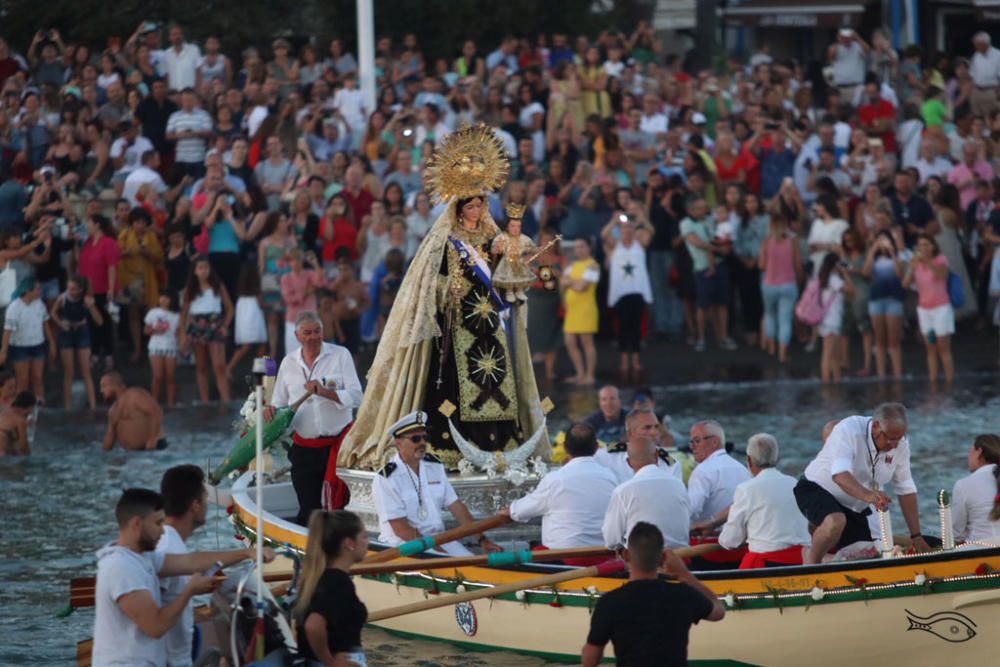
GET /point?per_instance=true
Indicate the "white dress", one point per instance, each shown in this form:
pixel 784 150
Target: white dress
pixel 250 324
pixel 628 274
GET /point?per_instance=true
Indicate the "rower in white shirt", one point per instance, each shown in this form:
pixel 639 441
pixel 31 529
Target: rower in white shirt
pixel 714 481
pixel 860 457
pixel 571 500
pixel 327 372
pixel 412 491
pixel 641 426
pixel 653 495
pixel 764 514
pixel 975 501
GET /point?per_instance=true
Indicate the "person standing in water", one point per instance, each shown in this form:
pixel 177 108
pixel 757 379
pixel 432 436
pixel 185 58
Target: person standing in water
pixel 135 418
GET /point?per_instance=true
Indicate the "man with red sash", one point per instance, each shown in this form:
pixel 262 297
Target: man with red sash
pixel 764 513
pixel 326 371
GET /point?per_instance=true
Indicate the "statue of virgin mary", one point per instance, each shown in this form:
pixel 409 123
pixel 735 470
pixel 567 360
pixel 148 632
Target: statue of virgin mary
pixel 452 346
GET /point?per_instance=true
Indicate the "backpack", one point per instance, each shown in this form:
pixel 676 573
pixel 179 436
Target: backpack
pixel 810 308
pixel 956 290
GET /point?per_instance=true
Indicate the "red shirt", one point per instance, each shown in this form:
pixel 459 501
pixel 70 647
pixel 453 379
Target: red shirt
pixel 361 204
pixel 345 235
pixel 870 113
pixel 95 258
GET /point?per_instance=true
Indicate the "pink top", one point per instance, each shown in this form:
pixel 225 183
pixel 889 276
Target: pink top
pixel 780 269
pixel 95 259
pixel 932 291
pixel 964 178
pixel 293 291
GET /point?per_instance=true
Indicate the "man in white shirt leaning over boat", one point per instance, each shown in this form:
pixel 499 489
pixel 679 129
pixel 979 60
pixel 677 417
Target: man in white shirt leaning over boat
pixel 573 499
pixel 764 514
pixel 185 504
pixel 130 618
pixel 860 457
pixel 654 495
pixel 713 482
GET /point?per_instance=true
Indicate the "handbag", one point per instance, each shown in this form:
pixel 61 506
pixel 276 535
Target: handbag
pixel 810 308
pixel 8 284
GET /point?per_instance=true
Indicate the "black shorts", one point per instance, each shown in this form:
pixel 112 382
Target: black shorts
pixel 816 503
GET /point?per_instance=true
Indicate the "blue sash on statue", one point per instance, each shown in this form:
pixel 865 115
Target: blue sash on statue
pixel 470 257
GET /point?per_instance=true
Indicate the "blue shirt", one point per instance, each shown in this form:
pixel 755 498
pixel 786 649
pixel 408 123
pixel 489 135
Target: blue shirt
pixel 608 432
pixel 885 282
pixel 774 168
pixel 222 238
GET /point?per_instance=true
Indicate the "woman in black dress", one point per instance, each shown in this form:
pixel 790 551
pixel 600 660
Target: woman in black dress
pixel 329 613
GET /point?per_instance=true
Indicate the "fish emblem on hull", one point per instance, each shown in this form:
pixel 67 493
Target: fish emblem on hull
pixel 948 625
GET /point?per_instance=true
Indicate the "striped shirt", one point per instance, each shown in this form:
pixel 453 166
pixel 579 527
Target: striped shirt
pixel 190 149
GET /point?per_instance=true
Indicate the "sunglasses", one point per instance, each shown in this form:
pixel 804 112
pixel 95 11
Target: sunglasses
pixel 417 439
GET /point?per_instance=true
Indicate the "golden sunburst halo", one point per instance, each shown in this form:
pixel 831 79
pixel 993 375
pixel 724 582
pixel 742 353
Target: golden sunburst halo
pixel 482 309
pixel 468 162
pixel 488 365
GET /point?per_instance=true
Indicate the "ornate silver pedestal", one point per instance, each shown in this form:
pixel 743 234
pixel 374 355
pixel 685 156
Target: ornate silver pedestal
pixel 483 496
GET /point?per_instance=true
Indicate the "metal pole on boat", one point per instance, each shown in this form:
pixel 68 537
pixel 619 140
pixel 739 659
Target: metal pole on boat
pixel 947 529
pixel 259 371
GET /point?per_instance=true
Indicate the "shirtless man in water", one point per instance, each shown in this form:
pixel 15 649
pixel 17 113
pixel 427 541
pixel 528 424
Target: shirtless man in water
pixel 135 419
pixel 14 425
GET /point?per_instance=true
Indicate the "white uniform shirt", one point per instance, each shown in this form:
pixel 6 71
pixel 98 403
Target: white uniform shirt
pixel 399 493
pixel 179 637
pixel 985 68
pixel 319 416
pixel 971 504
pixel 118 641
pixel 655 496
pixel 850 448
pixel 712 484
pixel 765 515
pixel 572 502
pixel 849 65
pixel 617 462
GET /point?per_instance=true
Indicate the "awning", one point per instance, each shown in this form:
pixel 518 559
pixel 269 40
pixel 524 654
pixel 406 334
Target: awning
pixel 802 14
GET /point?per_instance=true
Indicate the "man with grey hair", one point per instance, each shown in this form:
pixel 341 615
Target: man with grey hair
pixel 764 514
pixel 714 481
pixel 860 457
pixel 324 375
pixel 984 67
pixel 641 428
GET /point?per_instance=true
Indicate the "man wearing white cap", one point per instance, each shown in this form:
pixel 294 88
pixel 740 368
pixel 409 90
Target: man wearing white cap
pixel 985 71
pixel 412 491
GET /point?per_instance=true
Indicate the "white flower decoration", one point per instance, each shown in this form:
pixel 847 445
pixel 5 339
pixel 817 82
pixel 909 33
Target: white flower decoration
pixel 521 595
pixel 393 578
pixel 817 593
pixel 730 600
pixel 920 579
pixel 592 590
pixel 460 588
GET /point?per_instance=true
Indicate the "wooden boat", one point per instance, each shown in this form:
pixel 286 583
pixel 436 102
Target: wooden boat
pixel 931 609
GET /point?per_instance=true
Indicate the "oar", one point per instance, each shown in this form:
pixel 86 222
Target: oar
pixel 500 559
pixel 422 544
pixel 605 569
pixel 82 589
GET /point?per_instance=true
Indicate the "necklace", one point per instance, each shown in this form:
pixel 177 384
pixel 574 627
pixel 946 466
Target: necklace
pixel 421 510
pixel 872 459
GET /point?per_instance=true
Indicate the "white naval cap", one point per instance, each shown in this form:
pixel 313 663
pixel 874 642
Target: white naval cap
pixel 411 422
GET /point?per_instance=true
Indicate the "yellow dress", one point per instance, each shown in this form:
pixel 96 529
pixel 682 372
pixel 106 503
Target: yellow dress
pixel 595 101
pixel 581 307
pixel 137 273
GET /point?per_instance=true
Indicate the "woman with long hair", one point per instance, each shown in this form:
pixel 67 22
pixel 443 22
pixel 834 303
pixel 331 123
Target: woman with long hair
pixel 329 613
pixel 594 83
pixel 754 222
pixel 579 285
pixel 833 288
pixel 544 323
pixel 99 259
pixel 204 327
pixel 975 501
pixel 856 319
pixel 928 272
pixel 272 258
pixel 952 240
pixel 781 263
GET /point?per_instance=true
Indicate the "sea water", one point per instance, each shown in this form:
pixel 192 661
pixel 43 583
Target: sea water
pixel 56 507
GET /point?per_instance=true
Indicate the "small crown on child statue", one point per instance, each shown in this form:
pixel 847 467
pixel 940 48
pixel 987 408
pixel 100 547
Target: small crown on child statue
pixel 515 211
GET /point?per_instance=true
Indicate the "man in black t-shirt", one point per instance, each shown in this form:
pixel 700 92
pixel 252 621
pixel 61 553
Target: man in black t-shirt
pixel 647 620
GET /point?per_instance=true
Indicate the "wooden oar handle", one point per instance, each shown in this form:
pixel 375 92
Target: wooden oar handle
pixel 414 547
pixel 501 559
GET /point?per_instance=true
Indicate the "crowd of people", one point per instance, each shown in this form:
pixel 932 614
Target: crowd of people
pixel 201 200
